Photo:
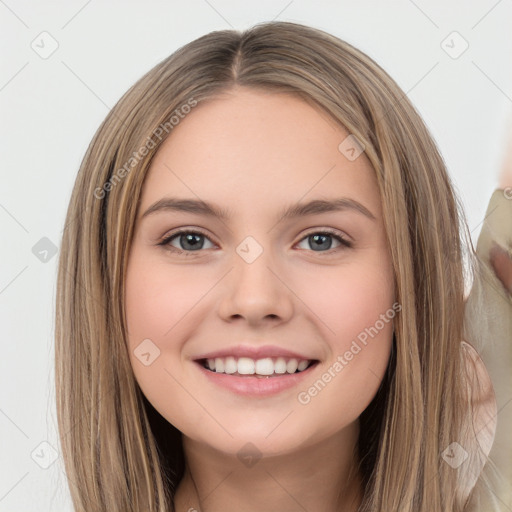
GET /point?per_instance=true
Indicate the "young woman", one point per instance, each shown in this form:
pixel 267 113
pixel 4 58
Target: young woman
pixel 261 293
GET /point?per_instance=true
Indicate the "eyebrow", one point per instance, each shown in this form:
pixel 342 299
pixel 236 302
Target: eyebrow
pixel 314 207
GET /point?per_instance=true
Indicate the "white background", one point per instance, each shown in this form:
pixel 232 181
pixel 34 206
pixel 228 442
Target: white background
pixel 50 109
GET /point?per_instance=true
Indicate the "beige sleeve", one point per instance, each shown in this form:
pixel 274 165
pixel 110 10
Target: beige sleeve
pixel 489 326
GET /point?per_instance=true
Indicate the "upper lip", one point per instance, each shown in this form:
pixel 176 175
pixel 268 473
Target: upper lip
pixel 260 352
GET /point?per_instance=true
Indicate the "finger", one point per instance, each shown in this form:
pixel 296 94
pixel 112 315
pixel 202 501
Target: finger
pixel 501 262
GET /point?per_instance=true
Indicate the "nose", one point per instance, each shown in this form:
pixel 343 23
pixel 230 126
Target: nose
pixel 256 291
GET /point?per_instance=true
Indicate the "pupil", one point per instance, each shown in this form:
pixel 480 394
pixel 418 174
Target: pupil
pixel 191 239
pixel 317 237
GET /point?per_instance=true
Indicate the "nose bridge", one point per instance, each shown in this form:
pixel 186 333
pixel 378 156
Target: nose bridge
pixel 254 290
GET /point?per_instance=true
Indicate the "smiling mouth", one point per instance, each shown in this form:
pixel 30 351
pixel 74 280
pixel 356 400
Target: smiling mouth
pixel 261 368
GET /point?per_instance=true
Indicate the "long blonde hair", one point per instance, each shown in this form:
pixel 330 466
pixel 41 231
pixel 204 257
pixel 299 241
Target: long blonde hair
pixel 119 453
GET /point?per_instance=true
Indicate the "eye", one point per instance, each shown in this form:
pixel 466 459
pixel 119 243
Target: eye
pixel 190 241
pixel 321 240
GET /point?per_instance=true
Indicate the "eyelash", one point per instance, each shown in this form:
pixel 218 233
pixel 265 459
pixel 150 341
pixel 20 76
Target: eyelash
pixel 345 244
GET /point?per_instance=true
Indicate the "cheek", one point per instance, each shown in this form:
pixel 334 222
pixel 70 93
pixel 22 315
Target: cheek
pixel 349 298
pixel 157 303
pixel 357 310
pixel 157 299
pixel 346 384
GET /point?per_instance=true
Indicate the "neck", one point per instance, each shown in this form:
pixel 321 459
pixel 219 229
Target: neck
pixel 321 477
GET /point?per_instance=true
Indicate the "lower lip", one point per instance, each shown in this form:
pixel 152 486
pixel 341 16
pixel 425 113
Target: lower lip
pixel 257 386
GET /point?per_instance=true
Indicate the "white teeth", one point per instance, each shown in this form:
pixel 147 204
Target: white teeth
pixel 280 365
pixel 219 365
pixel 248 366
pixel 292 366
pixel 302 366
pixel 264 366
pixel 230 365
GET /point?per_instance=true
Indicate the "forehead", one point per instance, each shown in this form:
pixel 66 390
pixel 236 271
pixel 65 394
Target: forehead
pixel 254 148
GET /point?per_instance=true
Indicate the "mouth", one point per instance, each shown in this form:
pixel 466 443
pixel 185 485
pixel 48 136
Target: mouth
pixel 256 379
pixel 261 368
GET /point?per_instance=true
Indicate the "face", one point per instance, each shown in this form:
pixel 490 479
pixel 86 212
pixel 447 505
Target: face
pixel 256 285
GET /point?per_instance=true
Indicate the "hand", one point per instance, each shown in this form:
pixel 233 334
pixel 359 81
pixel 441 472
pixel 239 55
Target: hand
pixel 501 262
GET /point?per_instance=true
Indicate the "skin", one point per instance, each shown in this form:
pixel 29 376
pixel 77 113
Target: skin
pixel 255 152
pixel 501 262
